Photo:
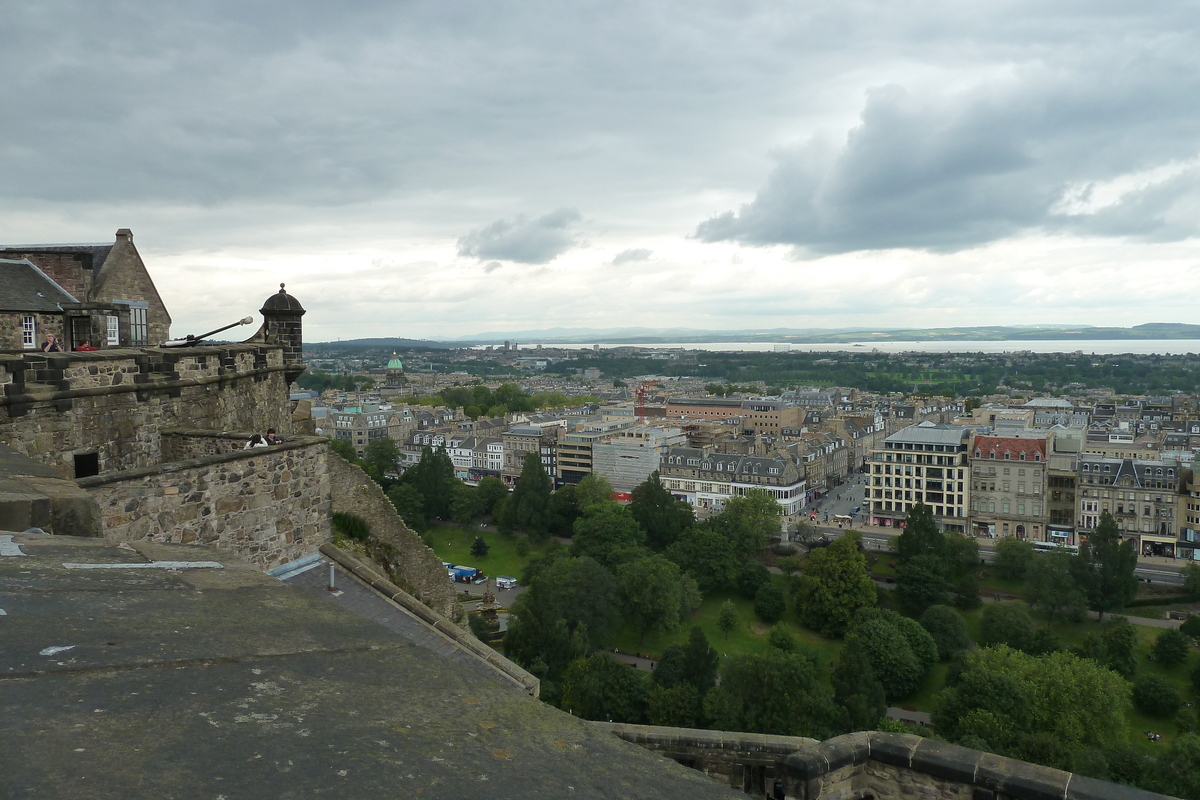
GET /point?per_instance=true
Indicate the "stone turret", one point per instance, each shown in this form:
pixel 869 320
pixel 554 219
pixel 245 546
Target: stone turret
pixel 281 314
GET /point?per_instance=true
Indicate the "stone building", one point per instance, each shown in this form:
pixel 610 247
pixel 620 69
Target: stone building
pixel 1008 486
pixel 112 300
pixel 706 479
pixel 1141 495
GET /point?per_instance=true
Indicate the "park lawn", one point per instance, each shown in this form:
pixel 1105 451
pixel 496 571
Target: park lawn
pixel 453 543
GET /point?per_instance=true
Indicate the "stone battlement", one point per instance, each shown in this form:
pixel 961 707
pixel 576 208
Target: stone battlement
pixel 866 765
pixel 98 412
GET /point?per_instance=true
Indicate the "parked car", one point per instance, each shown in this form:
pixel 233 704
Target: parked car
pixel 504 582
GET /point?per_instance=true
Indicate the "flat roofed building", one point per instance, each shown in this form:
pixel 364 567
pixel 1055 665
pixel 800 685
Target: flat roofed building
pixel 923 463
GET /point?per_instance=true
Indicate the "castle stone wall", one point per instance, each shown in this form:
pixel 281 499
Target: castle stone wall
pixel 868 765
pixel 115 403
pixel 271 505
pixel 418 569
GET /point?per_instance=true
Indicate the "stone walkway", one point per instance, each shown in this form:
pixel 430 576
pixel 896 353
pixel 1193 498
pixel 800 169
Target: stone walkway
pixel 364 601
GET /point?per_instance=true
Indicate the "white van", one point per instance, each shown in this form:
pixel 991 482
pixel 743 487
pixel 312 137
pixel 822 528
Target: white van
pixel 503 582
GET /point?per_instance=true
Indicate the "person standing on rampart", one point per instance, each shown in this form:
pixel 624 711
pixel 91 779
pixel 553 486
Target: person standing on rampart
pixel 51 344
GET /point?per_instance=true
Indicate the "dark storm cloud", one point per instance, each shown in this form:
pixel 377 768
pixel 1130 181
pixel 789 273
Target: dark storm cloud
pixel 524 240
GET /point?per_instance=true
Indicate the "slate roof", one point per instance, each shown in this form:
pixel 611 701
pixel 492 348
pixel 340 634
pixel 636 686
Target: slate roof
pixel 24 287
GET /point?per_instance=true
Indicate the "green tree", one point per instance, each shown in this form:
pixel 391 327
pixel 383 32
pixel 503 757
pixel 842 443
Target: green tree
pixel 1006 697
pixel 856 689
pixel 921 583
pixel 564 510
pixel 1191 579
pixel 344 449
pixel 833 586
pixel 769 603
pixel 491 490
pixel 605 531
pixel 781 639
pixel 527 508
pixel 1154 695
pixel 751 576
pixel 1177 771
pixel 693 663
pixel 433 477
pixel 921 536
pixel 961 554
pixel 382 457
pixel 661 516
pixel 749 520
pixel 966 593
pixel 408 504
pixel 540 640
pixel 707 556
pixel 593 490
pixel 948 629
pixel 584 593
pixel 1104 567
pixel 480 628
pixel 1050 587
pixel 1191 626
pixel 464 504
pixel 650 589
pixel 1171 648
pixel 480 548
pixel 1006 623
pixel 599 687
pixel 728 619
pixel 776 692
pixel 1114 646
pixel 1012 558
pixel 677 706
pixel 898 669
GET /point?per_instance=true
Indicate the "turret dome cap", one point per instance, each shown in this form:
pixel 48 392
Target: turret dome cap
pixel 282 302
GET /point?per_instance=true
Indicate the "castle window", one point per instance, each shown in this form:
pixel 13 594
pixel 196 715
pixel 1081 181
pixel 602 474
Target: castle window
pixel 138 328
pixel 28 331
pixel 114 330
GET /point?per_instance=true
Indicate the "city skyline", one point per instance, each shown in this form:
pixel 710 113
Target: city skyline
pixel 432 170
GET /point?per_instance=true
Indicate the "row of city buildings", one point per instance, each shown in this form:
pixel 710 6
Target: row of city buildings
pixel 1045 471
pixel 1042 471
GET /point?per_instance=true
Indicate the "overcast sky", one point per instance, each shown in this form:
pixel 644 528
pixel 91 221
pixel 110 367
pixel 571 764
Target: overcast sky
pixel 432 169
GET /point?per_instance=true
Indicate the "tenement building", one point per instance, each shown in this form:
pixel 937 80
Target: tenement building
pixel 706 479
pixel 1008 485
pixel 1142 497
pixel 923 463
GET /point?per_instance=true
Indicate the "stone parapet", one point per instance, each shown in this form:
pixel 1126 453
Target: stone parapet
pixel 112 404
pixel 867 764
pixel 271 505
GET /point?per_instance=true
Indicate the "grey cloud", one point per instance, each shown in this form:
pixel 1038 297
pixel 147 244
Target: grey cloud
pixel 524 240
pixel 953 172
pixel 631 255
pixel 492 266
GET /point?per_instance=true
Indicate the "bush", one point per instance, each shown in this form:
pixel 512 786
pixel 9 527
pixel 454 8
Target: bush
pixel 479 627
pixel 1006 623
pixel 1171 648
pixel 750 578
pixel 769 603
pixel 966 594
pixel 350 526
pixel 948 630
pixel 1191 627
pixel 1156 696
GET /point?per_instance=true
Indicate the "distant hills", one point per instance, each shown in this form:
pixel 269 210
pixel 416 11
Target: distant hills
pixel 652 336
pixel 1152 330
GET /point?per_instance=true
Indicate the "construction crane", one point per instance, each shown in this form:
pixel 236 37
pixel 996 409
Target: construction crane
pixel 641 400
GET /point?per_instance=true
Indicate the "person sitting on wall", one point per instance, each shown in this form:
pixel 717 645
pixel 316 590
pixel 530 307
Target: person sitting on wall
pixel 271 438
pixel 85 346
pixel 255 441
pixel 51 344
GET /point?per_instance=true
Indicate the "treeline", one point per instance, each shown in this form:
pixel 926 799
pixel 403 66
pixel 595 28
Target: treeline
pixel 480 401
pixel 320 380
pixel 952 374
